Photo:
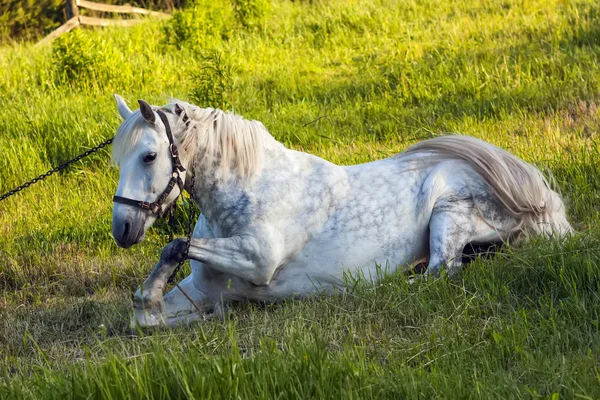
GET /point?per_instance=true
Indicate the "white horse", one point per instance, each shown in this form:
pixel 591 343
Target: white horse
pixel 279 223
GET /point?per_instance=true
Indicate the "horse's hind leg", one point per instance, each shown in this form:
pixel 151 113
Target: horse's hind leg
pixel 454 224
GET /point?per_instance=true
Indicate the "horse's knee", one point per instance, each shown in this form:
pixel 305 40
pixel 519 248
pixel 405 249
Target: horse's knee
pixel 174 251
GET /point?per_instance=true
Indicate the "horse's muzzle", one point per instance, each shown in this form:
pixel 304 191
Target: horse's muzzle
pixel 128 227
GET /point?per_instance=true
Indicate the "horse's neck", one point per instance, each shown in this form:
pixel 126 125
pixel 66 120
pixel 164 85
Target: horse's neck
pixel 224 197
pixel 222 203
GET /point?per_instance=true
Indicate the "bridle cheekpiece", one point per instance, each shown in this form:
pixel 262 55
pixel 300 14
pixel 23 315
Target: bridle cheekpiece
pixel 156 207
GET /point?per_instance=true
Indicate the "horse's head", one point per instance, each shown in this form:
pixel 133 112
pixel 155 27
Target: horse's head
pixel 144 154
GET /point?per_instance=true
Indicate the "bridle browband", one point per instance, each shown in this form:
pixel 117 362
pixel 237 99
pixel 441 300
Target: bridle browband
pixel 156 207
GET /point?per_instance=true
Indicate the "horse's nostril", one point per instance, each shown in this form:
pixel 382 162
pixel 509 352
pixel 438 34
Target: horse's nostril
pixel 126 230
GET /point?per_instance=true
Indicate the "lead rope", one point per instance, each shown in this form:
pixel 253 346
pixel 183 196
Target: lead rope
pixel 190 232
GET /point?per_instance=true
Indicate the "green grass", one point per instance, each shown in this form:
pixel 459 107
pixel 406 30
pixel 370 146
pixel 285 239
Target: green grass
pixel 348 81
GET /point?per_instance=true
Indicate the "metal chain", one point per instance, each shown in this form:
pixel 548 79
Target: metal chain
pixel 173 212
pixel 172 217
pixel 189 233
pixel 56 169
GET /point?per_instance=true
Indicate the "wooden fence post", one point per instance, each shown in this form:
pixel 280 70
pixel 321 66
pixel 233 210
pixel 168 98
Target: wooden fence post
pixel 72 9
pixel 74 19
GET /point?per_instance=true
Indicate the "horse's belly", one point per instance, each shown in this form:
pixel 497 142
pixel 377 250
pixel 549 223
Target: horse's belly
pixel 325 259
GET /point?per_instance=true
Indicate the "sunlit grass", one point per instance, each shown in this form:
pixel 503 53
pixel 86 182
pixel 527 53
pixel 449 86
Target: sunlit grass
pixel 351 82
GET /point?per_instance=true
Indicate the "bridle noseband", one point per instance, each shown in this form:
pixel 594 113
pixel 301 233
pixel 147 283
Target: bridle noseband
pixel 156 207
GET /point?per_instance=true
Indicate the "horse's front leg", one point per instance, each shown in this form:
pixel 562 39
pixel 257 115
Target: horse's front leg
pixel 185 303
pixel 253 258
pixel 149 296
pixel 149 306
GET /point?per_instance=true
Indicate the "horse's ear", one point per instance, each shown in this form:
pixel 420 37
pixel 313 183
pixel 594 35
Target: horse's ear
pixel 124 111
pixel 180 112
pixel 147 112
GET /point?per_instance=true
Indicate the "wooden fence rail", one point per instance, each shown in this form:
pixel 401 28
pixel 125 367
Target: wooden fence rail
pixel 74 19
pixel 118 9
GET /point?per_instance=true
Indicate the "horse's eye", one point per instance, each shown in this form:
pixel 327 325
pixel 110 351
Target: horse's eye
pixel 148 158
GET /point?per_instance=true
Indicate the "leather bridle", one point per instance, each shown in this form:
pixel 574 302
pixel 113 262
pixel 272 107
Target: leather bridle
pixel 156 207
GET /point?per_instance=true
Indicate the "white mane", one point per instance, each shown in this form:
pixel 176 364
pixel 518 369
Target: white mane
pixel 211 135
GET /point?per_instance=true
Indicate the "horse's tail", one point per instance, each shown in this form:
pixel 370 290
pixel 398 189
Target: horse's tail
pixel 520 187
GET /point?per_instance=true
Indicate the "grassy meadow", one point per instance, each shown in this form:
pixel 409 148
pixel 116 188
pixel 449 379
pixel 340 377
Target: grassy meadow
pixel 350 81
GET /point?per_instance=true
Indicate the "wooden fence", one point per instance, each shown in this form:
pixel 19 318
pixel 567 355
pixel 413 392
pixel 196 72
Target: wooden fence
pixel 74 19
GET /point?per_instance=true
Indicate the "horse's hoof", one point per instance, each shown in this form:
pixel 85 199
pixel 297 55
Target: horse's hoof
pixel 144 319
